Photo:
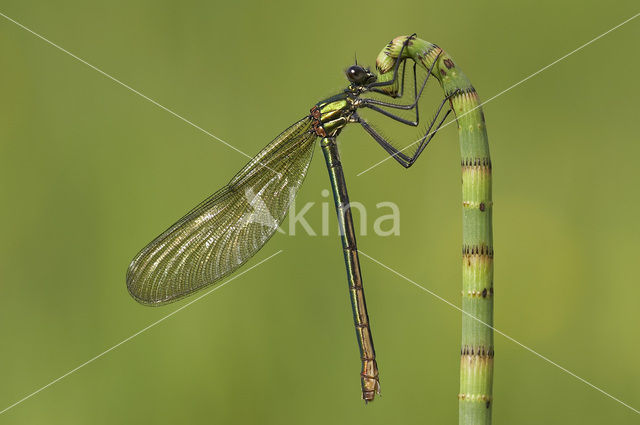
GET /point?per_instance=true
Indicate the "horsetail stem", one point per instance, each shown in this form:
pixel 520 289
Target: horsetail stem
pixel 476 360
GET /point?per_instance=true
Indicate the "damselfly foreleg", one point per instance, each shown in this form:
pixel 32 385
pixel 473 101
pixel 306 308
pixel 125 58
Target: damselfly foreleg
pixel 374 104
pixel 374 86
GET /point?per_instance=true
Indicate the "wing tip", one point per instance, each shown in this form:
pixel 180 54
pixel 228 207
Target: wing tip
pixel 135 287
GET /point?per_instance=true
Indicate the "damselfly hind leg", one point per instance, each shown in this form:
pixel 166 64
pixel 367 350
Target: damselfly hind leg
pixel 397 154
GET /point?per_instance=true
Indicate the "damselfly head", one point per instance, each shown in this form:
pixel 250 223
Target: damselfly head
pixel 360 76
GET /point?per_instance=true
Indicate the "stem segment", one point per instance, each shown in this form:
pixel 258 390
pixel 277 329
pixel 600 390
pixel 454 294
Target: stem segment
pixel 476 363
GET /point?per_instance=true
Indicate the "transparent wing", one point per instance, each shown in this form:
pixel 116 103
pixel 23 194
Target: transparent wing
pixel 229 227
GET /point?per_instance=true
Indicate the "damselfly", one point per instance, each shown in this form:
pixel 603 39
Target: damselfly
pixel 228 228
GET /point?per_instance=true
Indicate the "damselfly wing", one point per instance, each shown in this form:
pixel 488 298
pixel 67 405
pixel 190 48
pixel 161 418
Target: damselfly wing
pixel 229 227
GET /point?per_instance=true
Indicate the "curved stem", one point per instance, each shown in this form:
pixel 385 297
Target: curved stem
pixel 476 363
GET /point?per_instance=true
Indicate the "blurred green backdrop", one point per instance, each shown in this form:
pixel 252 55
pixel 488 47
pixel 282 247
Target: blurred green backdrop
pixel 91 172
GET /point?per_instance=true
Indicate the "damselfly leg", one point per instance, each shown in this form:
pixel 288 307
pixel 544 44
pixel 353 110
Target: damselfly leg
pixel 397 154
pixel 374 104
pixel 374 86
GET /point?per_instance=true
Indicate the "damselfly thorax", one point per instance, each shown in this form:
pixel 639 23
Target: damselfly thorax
pixel 329 116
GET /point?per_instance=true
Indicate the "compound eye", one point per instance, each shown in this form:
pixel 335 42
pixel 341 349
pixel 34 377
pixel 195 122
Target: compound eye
pixel 356 74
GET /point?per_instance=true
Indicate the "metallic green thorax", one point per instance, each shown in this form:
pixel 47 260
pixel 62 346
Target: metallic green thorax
pixel 476 367
pixel 331 115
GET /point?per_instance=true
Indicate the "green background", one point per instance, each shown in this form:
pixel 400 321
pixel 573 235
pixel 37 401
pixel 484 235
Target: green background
pixel 90 173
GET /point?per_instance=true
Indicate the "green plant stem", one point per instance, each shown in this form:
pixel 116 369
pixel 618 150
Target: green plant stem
pixel 476 363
